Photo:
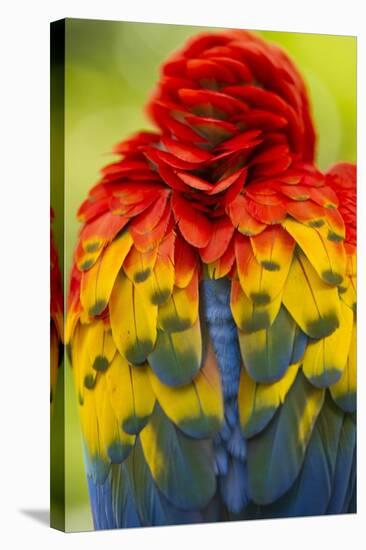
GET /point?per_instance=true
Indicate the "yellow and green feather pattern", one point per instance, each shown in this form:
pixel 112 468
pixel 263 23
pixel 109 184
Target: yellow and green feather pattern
pixel 145 352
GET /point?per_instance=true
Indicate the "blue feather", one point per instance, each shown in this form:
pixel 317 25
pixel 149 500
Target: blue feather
pixel 124 507
pixel 231 412
pixel 230 449
pixel 343 478
pixel 237 445
pixel 350 505
pixel 153 507
pixel 276 455
pixel 233 486
pixel 111 502
pixel 223 332
pixel 221 460
pixel 299 346
pixel 311 492
pixel 98 505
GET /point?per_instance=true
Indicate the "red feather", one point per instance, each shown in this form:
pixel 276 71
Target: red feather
pixel 194 226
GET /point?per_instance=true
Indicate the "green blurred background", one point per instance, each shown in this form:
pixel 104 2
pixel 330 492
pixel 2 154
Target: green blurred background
pixel 111 68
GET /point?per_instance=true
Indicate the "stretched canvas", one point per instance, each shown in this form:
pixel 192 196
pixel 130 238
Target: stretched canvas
pixel 203 275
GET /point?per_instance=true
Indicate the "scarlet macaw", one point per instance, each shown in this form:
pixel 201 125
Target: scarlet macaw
pixel 212 304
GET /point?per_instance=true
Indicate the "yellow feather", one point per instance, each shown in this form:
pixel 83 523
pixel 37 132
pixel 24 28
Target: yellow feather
pixel 101 347
pixel 130 393
pixel 139 265
pixel 153 453
pixel 85 260
pixel 325 359
pixel 260 284
pixel 348 291
pixel 273 248
pixel 344 391
pixel 105 439
pixel 196 408
pixel 258 402
pixel 108 430
pixel 180 311
pixel 312 303
pixel 133 320
pixel 249 316
pixel 89 425
pixel 97 283
pixel 159 286
pixel 351 268
pixel 85 375
pixel 326 256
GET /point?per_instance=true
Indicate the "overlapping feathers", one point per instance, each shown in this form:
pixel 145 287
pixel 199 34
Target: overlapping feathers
pixel 225 188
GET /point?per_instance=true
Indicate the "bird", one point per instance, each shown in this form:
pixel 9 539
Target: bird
pixel 211 320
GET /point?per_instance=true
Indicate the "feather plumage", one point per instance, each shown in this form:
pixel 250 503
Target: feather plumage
pixel 177 356
pixel 97 283
pixel 267 353
pixel 311 492
pixel 259 402
pixel 133 320
pixel 343 474
pixel 344 391
pixel 249 316
pixel 131 395
pixel 326 256
pixel 276 455
pixel 196 408
pixel 317 313
pixel 181 467
pixel 214 283
pixel 325 359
